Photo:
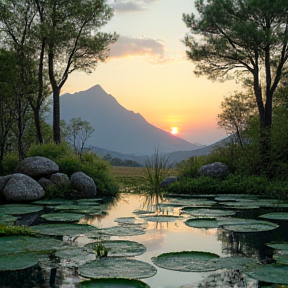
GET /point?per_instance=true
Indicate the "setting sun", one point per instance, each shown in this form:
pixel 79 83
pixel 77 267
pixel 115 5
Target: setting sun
pixel 174 130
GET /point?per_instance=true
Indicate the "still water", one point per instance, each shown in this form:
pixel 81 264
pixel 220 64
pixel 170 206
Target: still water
pixel 163 237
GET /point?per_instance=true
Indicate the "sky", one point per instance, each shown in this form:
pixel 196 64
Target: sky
pixel 149 73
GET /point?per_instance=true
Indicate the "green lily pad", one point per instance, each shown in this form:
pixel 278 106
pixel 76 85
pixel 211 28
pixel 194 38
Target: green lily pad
pixel 191 202
pixel 251 225
pixel 275 216
pixel 117 267
pixel 90 200
pixel 18 261
pixel 19 209
pixel 120 248
pixel 271 273
pixel 64 229
pixel 63 217
pixel 212 213
pixel 278 246
pixel 130 221
pixel 187 261
pixel 74 256
pixel 7 219
pixel 161 218
pixel 206 223
pixel 129 230
pixel 237 263
pixel 114 283
pixel 16 244
pixel 52 202
pixel 281 258
pixel 140 212
pixel 241 205
pixel 237 197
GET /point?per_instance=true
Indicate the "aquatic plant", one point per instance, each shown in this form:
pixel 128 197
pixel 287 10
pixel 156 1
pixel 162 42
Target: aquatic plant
pixel 100 250
pixel 157 168
pixel 15 230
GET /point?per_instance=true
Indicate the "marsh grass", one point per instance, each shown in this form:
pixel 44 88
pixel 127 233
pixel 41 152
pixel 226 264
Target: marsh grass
pixel 157 168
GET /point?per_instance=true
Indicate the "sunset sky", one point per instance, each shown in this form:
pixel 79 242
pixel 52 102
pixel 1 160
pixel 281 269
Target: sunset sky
pixel 148 71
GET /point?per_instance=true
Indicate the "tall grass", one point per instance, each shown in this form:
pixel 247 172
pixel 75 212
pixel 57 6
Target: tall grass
pixel 157 168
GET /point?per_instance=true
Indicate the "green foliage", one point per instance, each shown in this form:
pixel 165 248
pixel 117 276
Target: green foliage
pixel 234 184
pixel 69 163
pixel 100 250
pixel 10 163
pixel 189 168
pixel 58 191
pixel 157 168
pixel 7 230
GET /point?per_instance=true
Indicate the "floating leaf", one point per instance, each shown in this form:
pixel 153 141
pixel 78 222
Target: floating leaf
pixel 74 256
pixel 271 273
pixel 120 248
pixel 63 217
pixel 114 283
pixel 161 218
pixel 191 202
pixel 52 202
pixel 130 221
pixel 275 216
pixel 237 197
pixel 19 209
pixel 117 267
pixel 241 205
pixel 17 261
pixel 187 261
pixel 139 212
pixel 64 229
pixel 251 225
pixel 212 213
pixel 278 246
pixel 129 230
pixel 281 258
pixel 7 219
pixel 202 223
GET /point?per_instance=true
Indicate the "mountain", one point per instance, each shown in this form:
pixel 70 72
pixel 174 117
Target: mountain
pixel 116 128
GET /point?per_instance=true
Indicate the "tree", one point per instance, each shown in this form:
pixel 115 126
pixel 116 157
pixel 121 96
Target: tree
pixel 79 131
pixel 249 37
pixel 236 111
pixel 73 42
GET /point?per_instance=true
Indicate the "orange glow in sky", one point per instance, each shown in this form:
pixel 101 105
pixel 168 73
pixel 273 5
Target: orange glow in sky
pixel 174 130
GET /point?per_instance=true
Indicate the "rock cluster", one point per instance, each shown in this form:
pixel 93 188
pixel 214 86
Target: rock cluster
pixel 35 174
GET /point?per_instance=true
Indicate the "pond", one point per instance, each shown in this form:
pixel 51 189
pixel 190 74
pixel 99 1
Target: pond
pixel 173 245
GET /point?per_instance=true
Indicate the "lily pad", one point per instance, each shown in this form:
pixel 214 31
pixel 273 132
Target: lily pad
pixel 241 205
pixel 64 229
pixel 275 216
pixel 140 212
pixel 114 283
pixel 271 273
pixel 19 209
pixel 206 223
pixel 237 197
pixel 17 261
pixel 16 244
pixel 7 219
pixel 278 246
pixel 161 218
pixel 90 200
pixel 237 263
pixel 281 258
pixel 120 248
pixel 130 221
pixel 129 230
pixel 63 217
pixel 52 202
pixel 187 261
pixel 74 256
pixel 251 225
pixel 117 267
pixel 212 213
pixel 191 202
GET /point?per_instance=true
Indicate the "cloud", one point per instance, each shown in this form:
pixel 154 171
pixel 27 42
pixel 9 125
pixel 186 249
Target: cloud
pixel 127 47
pixel 126 6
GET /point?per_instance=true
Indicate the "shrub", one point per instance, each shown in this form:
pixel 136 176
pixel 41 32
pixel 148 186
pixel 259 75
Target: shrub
pixel 10 163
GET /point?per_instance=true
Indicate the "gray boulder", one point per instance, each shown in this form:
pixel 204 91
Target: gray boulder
pixel 214 170
pixel 21 187
pixel 168 181
pixel 84 185
pixel 3 182
pixel 45 183
pixel 37 167
pixel 59 178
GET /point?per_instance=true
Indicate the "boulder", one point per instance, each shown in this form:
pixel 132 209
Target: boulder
pixel 59 178
pixel 45 183
pixel 37 167
pixel 214 170
pixel 3 182
pixel 83 184
pixel 168 181
pixel 21 187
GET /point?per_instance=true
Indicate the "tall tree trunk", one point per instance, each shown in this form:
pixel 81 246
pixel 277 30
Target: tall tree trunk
pixel 56 115
pixel 20 129
pixel 37 124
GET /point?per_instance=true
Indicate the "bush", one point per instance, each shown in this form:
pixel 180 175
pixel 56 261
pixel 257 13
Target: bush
pixel 69 163
pixel 10 163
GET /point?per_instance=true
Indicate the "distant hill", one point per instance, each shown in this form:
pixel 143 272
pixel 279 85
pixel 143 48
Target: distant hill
pixel 116 128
